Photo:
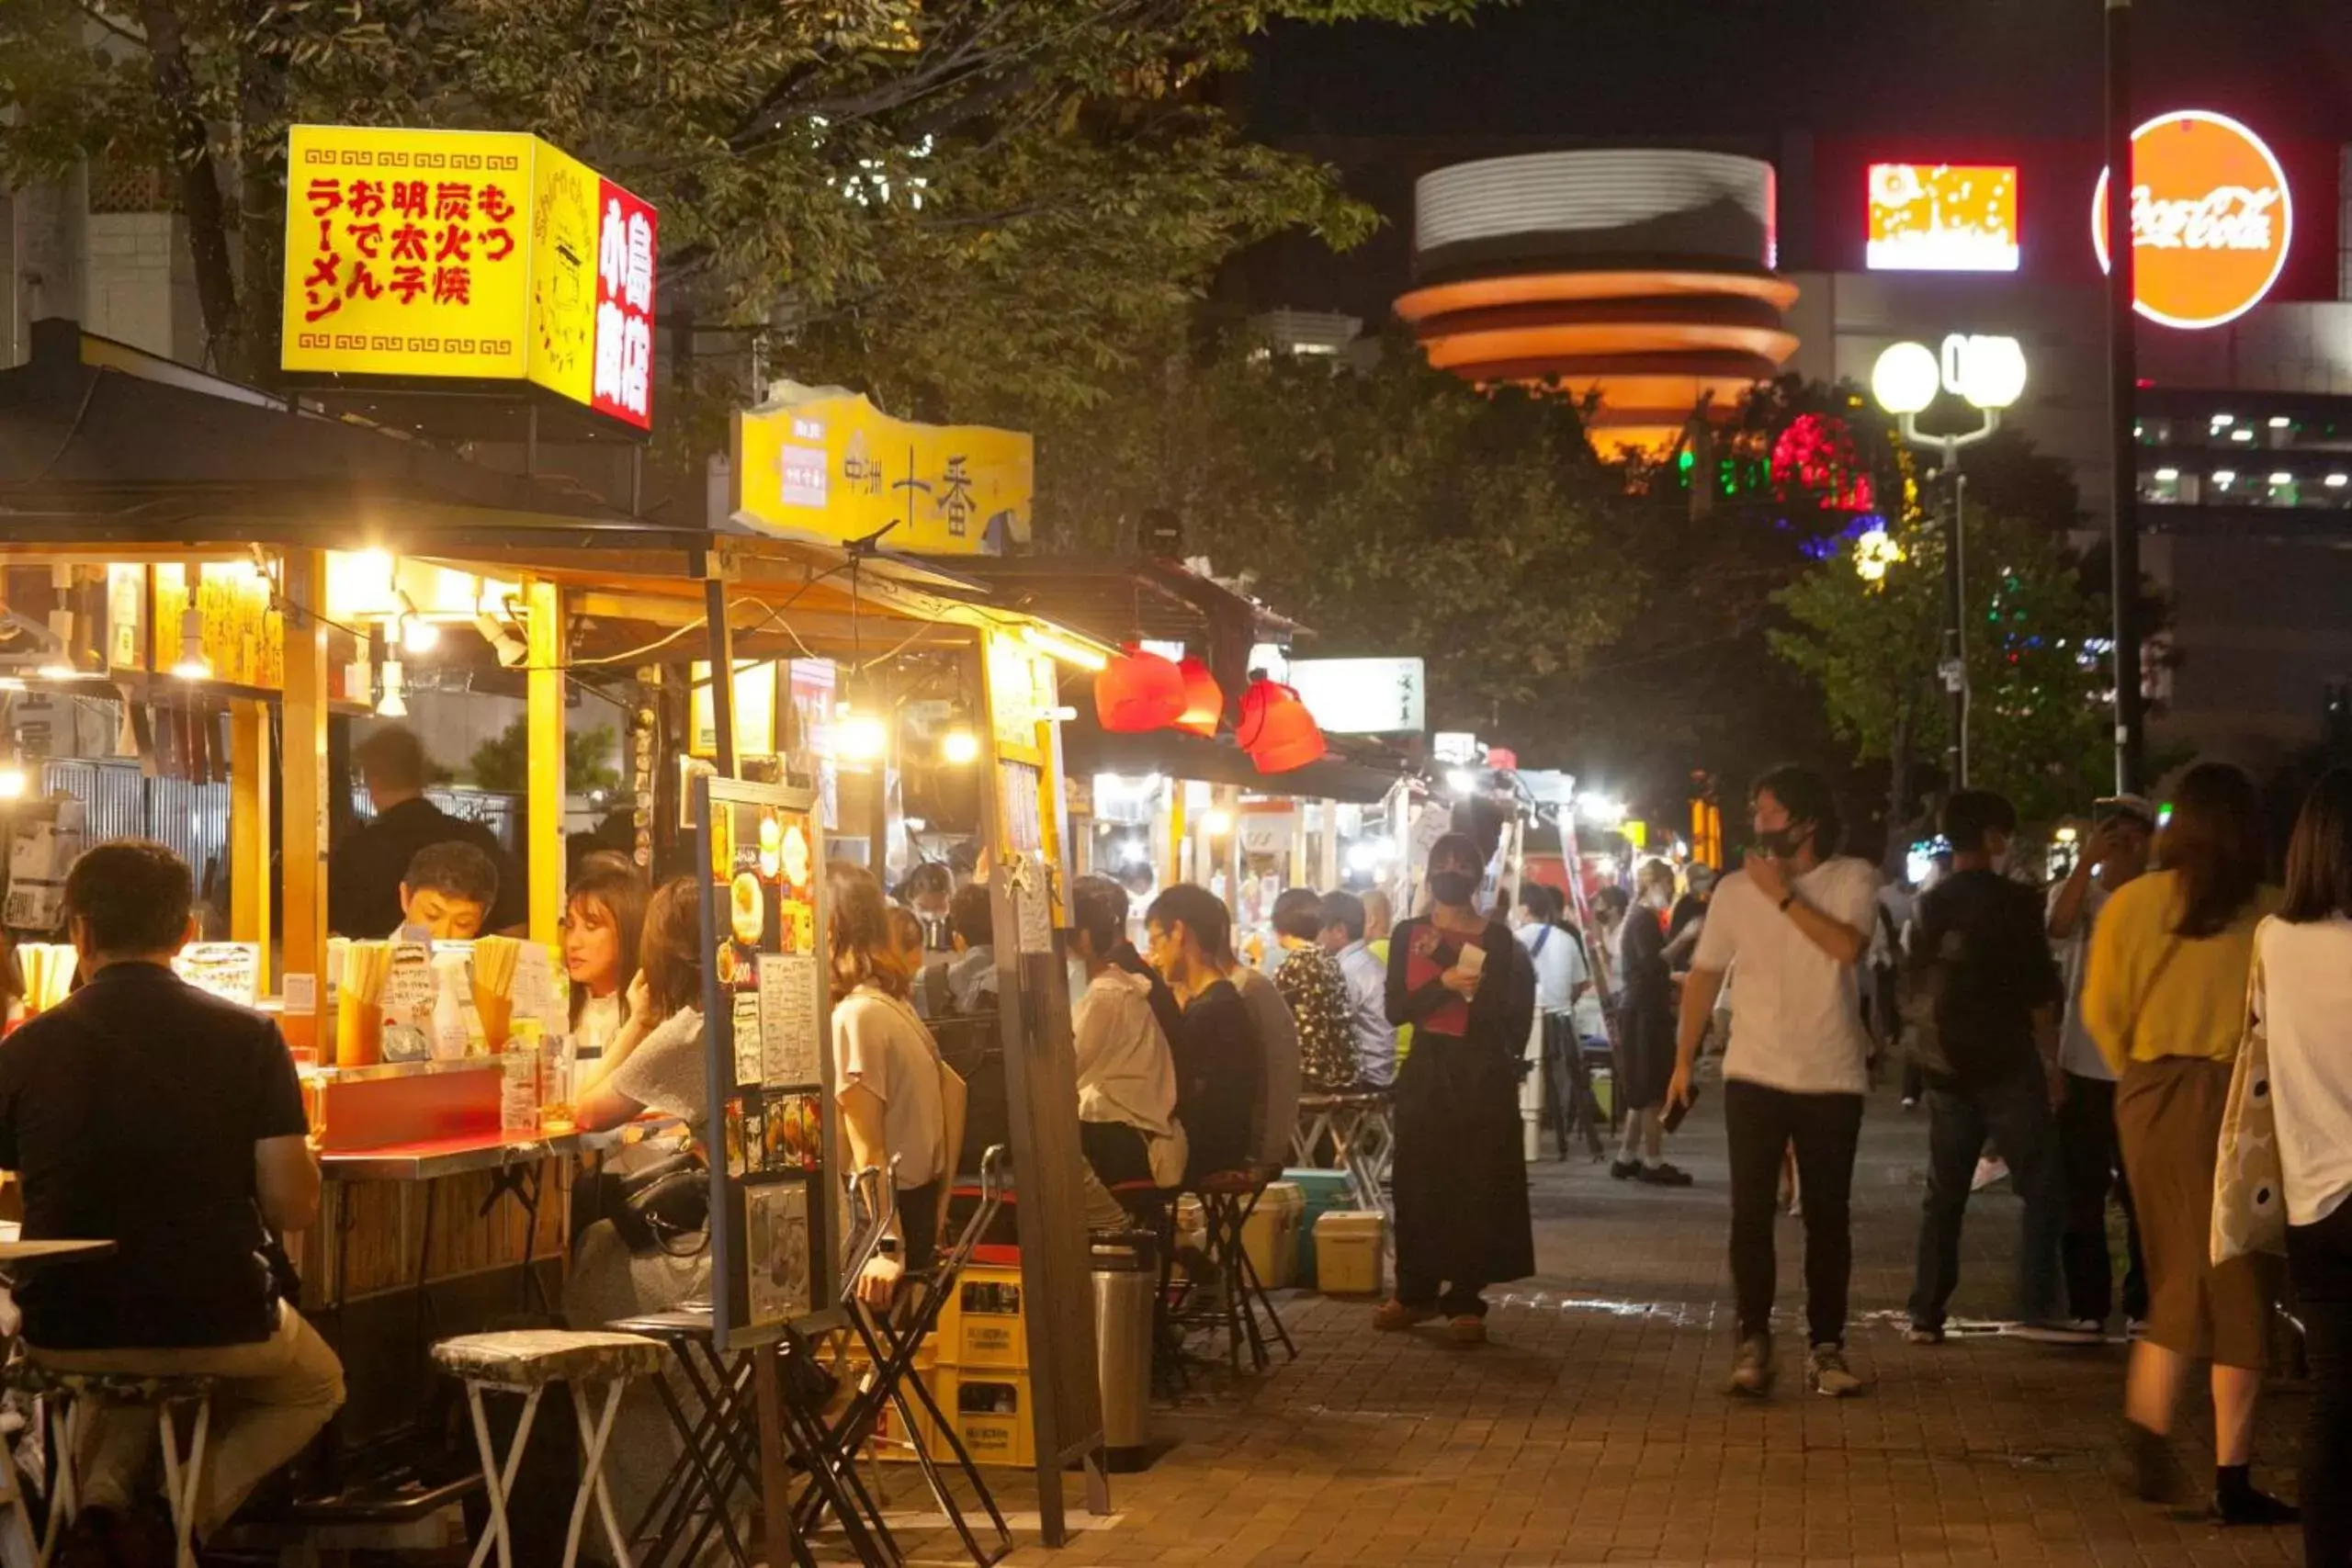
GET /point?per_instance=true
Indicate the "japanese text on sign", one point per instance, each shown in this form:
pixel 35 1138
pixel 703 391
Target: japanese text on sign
pixel 467 254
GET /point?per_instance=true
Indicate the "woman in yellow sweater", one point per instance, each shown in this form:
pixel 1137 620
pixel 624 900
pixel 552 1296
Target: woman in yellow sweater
pixel 2165 998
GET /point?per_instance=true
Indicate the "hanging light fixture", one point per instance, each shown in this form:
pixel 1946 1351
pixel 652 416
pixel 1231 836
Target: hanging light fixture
pixel 1203 698
pixel 417 634
pixel 192 665
pixel 1276 729
pixel 1138 691
pixel 393 704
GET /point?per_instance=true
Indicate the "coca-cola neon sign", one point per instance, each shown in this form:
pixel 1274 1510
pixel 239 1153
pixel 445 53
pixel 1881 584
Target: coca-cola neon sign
pixel 2211 219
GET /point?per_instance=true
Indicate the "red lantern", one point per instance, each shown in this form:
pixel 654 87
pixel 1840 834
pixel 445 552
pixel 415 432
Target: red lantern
pixel 1203 699
pixel 1138 692
pixel 1276 729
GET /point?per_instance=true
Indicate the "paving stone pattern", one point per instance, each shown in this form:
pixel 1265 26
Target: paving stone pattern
pixel 1594 1429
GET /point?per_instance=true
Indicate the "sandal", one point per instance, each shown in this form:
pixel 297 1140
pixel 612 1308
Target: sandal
pixel 1394 1316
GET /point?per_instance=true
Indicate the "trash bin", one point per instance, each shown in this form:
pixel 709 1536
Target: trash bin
pixel 1126 1274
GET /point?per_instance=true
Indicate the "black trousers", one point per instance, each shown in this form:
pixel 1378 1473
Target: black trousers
pixel 1117 1151
pixel 1760 1122
pixel 2093 1163
pixel 2319 1260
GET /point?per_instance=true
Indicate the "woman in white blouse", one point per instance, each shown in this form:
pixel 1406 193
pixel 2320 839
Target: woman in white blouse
pixel 2305 1004
pixel 895 1095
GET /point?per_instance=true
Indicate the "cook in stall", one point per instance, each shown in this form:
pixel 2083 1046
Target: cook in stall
pixel 447 893
pixel 364 878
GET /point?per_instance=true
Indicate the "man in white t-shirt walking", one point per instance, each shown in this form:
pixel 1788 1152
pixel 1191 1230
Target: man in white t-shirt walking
pixel 1798 921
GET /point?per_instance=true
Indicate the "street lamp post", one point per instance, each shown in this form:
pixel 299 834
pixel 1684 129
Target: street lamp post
pixel 1989 372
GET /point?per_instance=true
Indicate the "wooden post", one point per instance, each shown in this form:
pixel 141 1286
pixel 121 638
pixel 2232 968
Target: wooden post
pixel 544 795
pixel 303 811
pixel 250 795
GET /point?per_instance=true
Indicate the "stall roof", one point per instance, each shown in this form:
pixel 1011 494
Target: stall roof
pixel 1114 598
pixel 101 444
pixel 1086 750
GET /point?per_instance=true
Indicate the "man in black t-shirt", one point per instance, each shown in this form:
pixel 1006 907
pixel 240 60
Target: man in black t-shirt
pixel 1219 1064
pixel 364 877
pixel 144 1112
pixel 1980 966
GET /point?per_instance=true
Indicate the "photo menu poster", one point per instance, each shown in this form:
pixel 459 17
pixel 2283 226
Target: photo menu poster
pixel 775 1249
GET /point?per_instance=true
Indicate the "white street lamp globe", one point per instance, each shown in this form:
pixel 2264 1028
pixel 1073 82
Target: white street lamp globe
pixel 1905 378
pixel 1996 373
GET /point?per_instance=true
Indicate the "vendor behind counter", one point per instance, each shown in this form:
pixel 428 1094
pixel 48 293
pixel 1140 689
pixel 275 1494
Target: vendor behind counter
pixel 364 878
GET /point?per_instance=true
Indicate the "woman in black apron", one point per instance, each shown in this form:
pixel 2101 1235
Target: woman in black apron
pixel 1469 992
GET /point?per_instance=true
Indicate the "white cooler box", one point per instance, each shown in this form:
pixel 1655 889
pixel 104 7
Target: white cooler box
pixel 1350 1252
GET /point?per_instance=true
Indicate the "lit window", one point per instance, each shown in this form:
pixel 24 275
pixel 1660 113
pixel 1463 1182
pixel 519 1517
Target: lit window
pixel 2223 421
pixel 2337 481
pixel 2282 478
pixel 2241 435
pixel 2168 475
pixel 2280 422
pixel 2225 478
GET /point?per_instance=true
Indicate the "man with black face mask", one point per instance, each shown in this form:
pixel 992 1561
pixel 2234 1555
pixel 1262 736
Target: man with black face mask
pixel 1798 920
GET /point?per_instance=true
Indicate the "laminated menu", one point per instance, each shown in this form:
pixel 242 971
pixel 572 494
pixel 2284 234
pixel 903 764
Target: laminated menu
pixel 47 841
pixel 407 1003
pixel 229 970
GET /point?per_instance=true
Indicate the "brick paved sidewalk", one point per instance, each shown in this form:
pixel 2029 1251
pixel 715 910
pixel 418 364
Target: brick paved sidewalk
pixel 1595 1430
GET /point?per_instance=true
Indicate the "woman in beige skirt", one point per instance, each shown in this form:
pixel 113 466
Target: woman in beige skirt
pixel 2164 997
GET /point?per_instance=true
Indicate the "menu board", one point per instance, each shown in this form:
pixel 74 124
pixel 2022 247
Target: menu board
pixel 774 1248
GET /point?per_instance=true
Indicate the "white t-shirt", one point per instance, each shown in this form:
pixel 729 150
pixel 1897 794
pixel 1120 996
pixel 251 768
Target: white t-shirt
pixel 880 1046
pixel 600 1019
pixel 2305 1005
pixel 1124 1071
pixel 2077 1051
pixel 1559 965
pixel 1799 1023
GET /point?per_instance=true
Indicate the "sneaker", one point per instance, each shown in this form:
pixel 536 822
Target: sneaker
pixel 1909 1105
pixel 1924 1334
pixel 2135 1328
pixel 1664 1175
pixel 1625 1170
pixel 1826 1373
pixel 1468 1329
pixel 1394 1316
pixel 1990 1172
pixel 2062 1331
pixel 1751 1375
pixel 2151 1472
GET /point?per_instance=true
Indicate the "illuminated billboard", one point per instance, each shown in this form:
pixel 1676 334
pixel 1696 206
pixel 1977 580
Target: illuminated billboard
pixel 1943 218
pixel 474 254
pixel 2211 219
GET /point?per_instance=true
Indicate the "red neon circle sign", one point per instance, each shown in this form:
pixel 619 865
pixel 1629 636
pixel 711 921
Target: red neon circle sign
pixel 2211 219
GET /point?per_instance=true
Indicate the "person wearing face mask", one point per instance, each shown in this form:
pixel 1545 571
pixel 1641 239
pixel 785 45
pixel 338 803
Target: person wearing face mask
pixel 1985 992
pixel 1469 992
pixel 1796 918
pixel 1646 1030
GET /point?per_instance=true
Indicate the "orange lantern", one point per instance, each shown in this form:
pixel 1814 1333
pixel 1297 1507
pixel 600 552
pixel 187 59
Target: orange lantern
pixel 1276 729
pixel 1138 692
pixel 1203 698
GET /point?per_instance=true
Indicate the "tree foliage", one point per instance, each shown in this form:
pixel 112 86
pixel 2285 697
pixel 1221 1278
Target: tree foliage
pixel 2039 697
pixel 1392 510
pixel 937 200
pixel 503 762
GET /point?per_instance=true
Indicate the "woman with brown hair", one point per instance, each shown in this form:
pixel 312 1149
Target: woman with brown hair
pixel 655 1062
pixel 898 1099
pixel 603 922
pixel 2164 998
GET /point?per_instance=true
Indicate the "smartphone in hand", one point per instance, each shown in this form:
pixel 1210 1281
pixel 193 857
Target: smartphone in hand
pixel 1472 960
pixel 1676 1112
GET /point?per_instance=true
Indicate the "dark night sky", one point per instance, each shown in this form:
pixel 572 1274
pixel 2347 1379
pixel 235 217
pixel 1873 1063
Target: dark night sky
pixel 2013 68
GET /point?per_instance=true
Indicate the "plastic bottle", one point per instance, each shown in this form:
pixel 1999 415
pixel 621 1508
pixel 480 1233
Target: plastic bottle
pixel 451 1038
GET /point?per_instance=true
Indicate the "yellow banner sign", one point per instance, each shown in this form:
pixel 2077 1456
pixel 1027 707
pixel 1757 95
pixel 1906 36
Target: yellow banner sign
pixel 481 254
pixel 824 463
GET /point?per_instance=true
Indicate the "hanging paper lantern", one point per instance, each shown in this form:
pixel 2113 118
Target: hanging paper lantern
pixel 1276 729
pixel 1203 698
pixel 1138 691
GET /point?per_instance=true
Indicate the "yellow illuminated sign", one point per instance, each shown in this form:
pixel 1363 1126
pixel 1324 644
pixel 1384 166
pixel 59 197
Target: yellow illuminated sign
pixel 477 254
pixel 827 464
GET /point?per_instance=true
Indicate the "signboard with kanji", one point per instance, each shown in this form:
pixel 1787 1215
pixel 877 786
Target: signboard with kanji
pixel 824 463
pixel 483 254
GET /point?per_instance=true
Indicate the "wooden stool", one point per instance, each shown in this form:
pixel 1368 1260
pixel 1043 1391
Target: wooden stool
pixel 526 1362
pixel 71 1397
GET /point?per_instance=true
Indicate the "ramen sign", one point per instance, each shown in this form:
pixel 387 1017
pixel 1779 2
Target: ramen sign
pixel 2211 219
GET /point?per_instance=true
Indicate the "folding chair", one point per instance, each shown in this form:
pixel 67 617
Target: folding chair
pixel 893 1348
